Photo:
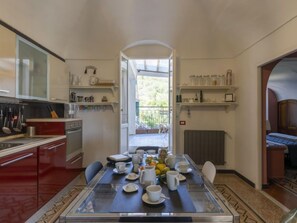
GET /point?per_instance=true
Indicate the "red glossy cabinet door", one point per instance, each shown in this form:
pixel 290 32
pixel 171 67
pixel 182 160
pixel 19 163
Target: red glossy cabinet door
pixel 18 186
pixel 52 175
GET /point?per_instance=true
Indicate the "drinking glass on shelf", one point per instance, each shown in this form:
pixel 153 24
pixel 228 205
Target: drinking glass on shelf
pixel 192 80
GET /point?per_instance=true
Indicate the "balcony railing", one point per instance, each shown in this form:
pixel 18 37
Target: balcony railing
pixel 152 117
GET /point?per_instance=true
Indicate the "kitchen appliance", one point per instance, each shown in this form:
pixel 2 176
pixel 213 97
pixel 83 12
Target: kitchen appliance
pixel 72 128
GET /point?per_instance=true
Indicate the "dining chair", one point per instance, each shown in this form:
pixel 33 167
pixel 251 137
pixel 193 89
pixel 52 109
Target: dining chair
pixel 91 170
pixel 209 170
pixel 146 148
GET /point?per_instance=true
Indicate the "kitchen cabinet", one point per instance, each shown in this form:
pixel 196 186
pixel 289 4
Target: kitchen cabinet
pixel 98 92
pixel 52 174
pixel 7 62
pixel 58 80
pixel 213 96
pixel 32 71
pixel 18 186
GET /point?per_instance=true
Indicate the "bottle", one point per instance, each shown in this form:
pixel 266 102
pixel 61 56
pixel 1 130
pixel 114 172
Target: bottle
pixel 196 97
pixel 201 96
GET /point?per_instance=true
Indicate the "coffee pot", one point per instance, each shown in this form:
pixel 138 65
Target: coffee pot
pixel 148 176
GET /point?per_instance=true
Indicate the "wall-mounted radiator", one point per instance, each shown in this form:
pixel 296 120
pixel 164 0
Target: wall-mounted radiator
pixel 203 145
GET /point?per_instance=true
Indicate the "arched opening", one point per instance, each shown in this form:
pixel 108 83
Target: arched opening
pixel 148 96
pixel 279 106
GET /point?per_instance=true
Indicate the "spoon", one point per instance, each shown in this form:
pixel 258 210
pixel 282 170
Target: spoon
pixel 163 196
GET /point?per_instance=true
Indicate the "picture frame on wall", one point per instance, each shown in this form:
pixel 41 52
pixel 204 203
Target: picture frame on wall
pixel 229 97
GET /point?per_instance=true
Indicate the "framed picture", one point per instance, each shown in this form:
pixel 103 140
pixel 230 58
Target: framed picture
pixel 229 97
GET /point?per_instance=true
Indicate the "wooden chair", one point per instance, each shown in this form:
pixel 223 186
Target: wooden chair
pixel 209 171
pixel 91 170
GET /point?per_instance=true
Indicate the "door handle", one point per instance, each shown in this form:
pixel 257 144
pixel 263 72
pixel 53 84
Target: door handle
pixel 55 146
pixel 17 159
pixel 74 161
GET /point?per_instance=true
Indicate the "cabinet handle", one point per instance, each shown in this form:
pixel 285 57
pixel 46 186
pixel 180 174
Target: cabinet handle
pixel 17 159
pixel 4 91
pixel 55 146
pixel 74 161
pixel 73 131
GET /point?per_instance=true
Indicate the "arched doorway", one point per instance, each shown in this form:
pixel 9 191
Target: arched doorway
pixel 148 51
pixel 273 157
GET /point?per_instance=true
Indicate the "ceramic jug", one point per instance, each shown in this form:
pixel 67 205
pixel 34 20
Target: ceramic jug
pixel 170 161
pixel 148 176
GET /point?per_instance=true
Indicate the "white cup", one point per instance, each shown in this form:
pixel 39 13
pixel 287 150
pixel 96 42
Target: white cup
pixel 183 166
pixel 172 179
pixel 154 192
pixel 121 166
pixel 140 153
pixel 136 159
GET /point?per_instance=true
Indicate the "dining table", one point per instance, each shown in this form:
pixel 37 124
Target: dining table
pixel 105 200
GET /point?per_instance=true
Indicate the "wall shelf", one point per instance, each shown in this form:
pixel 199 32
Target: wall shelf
pixel 96 87
pixel 93 105
pixel 204 87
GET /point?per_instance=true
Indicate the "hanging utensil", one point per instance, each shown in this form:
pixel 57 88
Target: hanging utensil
pixel 5 127
pixel 18 127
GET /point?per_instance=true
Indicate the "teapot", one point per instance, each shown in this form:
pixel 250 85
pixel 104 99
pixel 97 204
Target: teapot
pixel 148 176
pixel 93 80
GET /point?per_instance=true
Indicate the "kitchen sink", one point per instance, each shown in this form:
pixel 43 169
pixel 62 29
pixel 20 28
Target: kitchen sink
pixel 7 145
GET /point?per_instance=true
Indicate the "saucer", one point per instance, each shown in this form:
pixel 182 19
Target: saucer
pixel 189 170
pixel 129 188
pixel 181 177
pixel 132 176
pixel 145 199
pixel 117 172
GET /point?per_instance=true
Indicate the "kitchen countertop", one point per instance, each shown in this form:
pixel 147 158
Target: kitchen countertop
pixel 53 119
pixel 35 141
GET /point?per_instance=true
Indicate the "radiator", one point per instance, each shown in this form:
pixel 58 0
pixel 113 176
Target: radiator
pixel 203 145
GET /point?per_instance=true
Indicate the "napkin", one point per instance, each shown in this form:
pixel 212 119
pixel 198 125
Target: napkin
pixel 118 157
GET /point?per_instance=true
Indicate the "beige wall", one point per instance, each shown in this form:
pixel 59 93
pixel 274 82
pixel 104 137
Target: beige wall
pixel 248 113
pixel 100 128
pixel 207 118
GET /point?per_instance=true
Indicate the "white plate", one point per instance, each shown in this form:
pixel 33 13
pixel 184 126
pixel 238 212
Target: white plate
pixel 189 170
pixel 129 188
pixel 132 176
pixel 145 199
pixel 181 177
pixel 116 171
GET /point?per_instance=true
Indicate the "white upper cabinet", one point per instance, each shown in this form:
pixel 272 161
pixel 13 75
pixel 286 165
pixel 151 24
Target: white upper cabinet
pixel 7 62
pixel 58 80
pixel 32 71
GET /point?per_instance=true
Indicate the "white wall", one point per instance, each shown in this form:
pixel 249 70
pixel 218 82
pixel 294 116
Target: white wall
pixel 100 128
pixel 207 118
pixel 248 114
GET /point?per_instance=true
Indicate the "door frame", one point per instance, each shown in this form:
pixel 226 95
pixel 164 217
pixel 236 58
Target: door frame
pixel 126 125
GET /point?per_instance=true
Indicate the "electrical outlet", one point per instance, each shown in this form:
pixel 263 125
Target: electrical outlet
pixel 182 122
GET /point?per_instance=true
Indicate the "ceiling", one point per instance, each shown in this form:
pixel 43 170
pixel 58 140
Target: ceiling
pixel 94 29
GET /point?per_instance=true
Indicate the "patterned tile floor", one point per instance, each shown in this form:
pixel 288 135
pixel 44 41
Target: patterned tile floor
pixel 268 210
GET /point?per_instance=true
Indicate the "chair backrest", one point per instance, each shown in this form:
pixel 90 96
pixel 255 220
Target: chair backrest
pixel 146 148
pixel 209 170
pixel 91 170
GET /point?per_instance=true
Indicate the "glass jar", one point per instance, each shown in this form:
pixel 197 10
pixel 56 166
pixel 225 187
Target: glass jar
pixel 192 80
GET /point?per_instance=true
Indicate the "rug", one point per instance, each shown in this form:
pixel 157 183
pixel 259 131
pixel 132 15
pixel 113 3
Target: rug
pixel 53 214
pixel 289 182
pixel 247 214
